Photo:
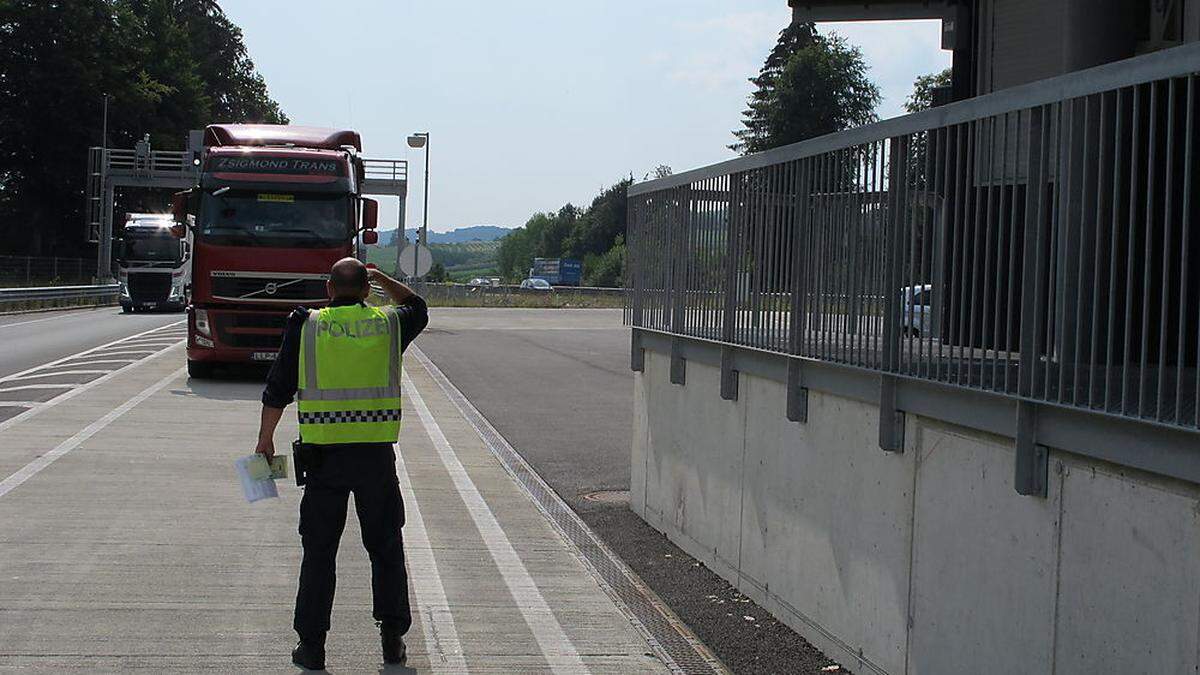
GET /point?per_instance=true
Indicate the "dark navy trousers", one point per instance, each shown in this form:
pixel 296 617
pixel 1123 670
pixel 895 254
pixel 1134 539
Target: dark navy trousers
pixel 368 471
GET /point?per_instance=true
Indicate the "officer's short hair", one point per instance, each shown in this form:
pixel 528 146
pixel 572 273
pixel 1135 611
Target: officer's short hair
pixel 348 278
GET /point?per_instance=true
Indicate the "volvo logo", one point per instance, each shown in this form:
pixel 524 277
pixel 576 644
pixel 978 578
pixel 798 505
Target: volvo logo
pixel 271 288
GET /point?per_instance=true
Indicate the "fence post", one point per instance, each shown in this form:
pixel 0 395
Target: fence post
pixel 891 420
pixel 28 266
pixel 797 393
pixel 679 234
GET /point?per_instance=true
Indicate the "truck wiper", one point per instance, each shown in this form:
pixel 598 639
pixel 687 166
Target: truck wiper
pixel 312 235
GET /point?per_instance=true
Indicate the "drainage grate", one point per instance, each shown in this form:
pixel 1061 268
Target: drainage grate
pixel 663 631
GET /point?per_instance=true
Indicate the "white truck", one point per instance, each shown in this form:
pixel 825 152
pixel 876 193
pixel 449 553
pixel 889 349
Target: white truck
pixel 154 267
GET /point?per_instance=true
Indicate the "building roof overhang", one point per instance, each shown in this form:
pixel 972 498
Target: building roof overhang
pixel 870 10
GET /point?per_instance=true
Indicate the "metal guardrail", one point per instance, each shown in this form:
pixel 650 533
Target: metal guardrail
pixel 1053 224
pixel 8 295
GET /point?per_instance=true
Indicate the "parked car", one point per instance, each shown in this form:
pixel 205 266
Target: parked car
pixel 536 284
pixel 479 281
pixel 917 317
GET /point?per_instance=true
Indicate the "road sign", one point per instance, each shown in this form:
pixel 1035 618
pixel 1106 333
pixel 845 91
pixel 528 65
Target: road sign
pixel 415 260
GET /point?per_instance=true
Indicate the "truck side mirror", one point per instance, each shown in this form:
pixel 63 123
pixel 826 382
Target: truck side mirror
pixel 370 214
pixel 370 237
pixel 179 212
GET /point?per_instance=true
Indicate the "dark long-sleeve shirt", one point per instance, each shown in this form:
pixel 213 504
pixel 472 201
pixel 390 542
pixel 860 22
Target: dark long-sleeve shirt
pixel 284 378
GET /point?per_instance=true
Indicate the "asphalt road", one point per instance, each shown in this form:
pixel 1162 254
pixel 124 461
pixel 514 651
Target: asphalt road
pixel 557 385
pixel 28 340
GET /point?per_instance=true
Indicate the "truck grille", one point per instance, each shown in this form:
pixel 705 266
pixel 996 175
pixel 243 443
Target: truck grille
pixel 268 288
pixel 149 287
pixel 250 330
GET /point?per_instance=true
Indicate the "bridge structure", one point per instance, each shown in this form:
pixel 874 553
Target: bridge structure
pixel 144 167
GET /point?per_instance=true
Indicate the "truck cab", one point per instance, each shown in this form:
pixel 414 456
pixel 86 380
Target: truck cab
pixel 153 266
pixel 275 208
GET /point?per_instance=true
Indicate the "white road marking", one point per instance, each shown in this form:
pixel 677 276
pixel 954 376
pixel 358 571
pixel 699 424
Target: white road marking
pixel 31 469
pixel 66 395
pixel 441 636
pixel 92 362
pixel 121 353
pixel 19 404
pixel 37 386
pixel 49 318
pixel 560 653
pixel 66 372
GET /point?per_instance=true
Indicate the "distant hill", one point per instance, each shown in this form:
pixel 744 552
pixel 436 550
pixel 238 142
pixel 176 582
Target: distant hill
pixel 456 236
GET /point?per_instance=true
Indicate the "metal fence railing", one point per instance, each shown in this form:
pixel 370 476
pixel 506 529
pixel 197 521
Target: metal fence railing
pixel 19 270
pixel 1040 242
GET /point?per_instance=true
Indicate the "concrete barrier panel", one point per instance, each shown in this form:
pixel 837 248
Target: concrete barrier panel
pixel 983 558
pixel 1129 592
pixel 826 522
pixel 694 473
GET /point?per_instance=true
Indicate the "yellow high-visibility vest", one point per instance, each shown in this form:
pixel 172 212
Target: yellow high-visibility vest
pixel 350 364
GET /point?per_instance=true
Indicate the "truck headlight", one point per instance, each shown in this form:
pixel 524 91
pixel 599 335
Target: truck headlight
pixel 176 291
pixel 202 325
pixel 124 290
pixel 204 342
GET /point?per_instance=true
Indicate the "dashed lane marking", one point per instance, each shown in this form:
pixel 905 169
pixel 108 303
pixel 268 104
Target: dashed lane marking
pixel 49 318
pixel 31 469
pixel 441 635
pixel 558 649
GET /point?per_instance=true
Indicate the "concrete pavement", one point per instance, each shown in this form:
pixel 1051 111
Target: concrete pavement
pixel 125 544
pixel 557 385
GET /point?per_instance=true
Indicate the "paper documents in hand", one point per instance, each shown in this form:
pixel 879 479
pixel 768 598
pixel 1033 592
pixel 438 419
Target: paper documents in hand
pixel 257 476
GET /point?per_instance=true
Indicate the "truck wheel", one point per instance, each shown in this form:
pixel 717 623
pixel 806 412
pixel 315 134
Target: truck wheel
pixel 126 309
pixel 199 369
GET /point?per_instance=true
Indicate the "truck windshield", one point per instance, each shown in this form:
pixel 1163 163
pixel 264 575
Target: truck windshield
pixel 158 246
pixel 292 220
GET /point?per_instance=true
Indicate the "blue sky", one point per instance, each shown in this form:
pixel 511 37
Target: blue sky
pixel 534 104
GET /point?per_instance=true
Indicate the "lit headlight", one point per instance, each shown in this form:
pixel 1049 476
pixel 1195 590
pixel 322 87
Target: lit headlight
pixel 202 322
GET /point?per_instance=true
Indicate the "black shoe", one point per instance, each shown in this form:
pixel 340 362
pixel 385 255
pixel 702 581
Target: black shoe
pixel 309 656
pixel 394 650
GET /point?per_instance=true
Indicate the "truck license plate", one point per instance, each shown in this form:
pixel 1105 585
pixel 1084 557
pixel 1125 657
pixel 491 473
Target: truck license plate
pixel 263 356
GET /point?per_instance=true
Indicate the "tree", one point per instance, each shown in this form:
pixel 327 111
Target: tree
pixel 809 85
pixel 437 273
pixel 922 96
pixel 167 66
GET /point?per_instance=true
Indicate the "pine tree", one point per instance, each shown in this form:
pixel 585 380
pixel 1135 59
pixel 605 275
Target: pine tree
pixel 809 85
pixel 764 98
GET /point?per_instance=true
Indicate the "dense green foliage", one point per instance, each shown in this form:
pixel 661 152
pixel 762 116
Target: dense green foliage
pixel 167 65
pixel 922 96
pixel 809 85
pixel 595 235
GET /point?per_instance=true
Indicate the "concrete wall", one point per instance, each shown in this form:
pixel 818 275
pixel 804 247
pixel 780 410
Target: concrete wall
pixel 921 562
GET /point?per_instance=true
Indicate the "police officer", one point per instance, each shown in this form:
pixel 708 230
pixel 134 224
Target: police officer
pixel 343 362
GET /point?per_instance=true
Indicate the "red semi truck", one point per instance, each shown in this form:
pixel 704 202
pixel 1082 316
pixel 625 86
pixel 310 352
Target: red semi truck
pixel 275 207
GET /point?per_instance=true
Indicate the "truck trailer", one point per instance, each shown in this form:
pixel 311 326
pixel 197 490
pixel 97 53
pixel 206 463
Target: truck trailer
pixel 153 266
pixel 557 271
pixel 275 207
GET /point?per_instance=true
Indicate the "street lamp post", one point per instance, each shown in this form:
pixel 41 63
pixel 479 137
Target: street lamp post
pixel 421 140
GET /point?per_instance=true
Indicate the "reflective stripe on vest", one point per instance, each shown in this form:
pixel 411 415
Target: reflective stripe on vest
pixel 349 388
